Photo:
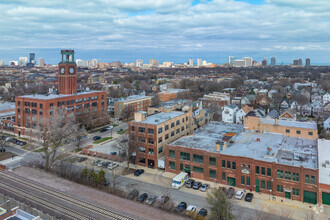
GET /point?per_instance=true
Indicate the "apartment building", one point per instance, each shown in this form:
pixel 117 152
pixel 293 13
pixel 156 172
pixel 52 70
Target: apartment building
pixel 168 106
pixel 125 108
pixel 270 163
pixel 7 116
pixel 215 99
pixel 148 135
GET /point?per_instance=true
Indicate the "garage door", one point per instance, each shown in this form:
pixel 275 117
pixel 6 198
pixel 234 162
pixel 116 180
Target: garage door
pixel 326 198
pixel 310 197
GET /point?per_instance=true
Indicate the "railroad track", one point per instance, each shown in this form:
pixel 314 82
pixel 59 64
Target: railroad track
pixel 107 214
pixel 43 202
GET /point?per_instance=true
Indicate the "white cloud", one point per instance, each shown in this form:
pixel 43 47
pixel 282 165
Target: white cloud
pixel 218 25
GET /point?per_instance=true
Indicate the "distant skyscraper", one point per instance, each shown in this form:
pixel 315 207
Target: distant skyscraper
pixel 239 63
pixel 94 63
pixel 2 63
pixel 22 61
pixel 191 62
pixel 248 61
pixel 273 61
pixel 204 63
pixel 32 58
pixel 41 62
pixel 153 63
pixel 296 62
pixel 308 62
pixel 231 59
pixel 199 62
pixel 139 63
pixel 264 62
pixel 300 62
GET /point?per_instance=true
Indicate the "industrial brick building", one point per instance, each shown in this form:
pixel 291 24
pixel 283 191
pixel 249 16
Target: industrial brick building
pixel 215 99
pixel 31 109
pixel 148 135
pixel 171 94
pixel 125 108
pixel 272 163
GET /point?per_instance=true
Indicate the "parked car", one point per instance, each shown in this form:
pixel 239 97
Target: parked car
pixel 204 187
pixel 81 159
pixel 105 164
pixel 142 197
pixel 103 130
pixel 138 172
pixel 189 183
pixel 7 138
pixel 249 197
pixel 110 127
pixel 239 194
pixel 191 210
pixel 230 192
pixel 95 138
pixel 134 193
pixel 151 200
pixel 100 164
pixel 202 212
pixel 119 129
pixel 112 165
pixel 114 153
pixel 96 162
pixel 181 207
pixel 197 185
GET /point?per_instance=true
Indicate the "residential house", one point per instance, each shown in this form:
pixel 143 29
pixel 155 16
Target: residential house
pixel 248 100
pixel 288 115
pixel 241 114
pixel 326 124
pixel 285 104
pixel 229 113
pixel 326 98
pixel 263 101
pixel 317 108
pixel 272 114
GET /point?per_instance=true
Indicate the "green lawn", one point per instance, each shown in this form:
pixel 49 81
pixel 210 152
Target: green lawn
pixel 122 132
pixel 114 125
pixel 102 140
pixel 39 150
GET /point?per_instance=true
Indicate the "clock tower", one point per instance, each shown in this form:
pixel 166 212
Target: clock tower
pixel 67 73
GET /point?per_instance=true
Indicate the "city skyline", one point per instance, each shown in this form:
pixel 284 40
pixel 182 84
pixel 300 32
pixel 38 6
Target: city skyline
pixel 167 31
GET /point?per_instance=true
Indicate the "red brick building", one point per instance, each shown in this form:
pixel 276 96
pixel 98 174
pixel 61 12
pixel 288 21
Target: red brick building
pixel 215 99
pixel 30 109
pixel 269 163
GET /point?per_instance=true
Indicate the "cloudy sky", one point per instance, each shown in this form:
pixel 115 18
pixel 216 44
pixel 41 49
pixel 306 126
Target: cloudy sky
pixel 168 30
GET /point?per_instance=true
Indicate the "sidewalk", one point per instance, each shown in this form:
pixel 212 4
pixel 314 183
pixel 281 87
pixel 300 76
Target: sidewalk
pixel 261 202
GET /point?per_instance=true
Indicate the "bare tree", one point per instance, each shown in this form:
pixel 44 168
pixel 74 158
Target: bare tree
pixel 124 148
pixel 114 175
pixel 54 132
pixel 220 206
pixel 300 99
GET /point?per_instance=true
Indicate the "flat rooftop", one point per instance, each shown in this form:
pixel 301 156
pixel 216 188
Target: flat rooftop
pixel 296 124
pixel 174 90
pixel 284 150
pixel 133 98
pixel 161 117
pixel 56 96
pixel 171 103
pixel 5 106
pixel 324 161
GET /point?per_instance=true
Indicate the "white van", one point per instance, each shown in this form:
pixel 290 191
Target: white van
pixel 179 180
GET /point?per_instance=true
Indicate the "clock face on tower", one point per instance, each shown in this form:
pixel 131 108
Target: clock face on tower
pixel 71 70
pixel 62 70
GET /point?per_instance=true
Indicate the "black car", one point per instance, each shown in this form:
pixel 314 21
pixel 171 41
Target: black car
pixel 202 212
pixel 95 138
pixel 103 130
pixel 114 153
pixel 81 159
pixel 197 185
pixel 142 197
pixel 138 172
pixel 230 192
pixel 249 197
pixel 181 207
pixel 134 193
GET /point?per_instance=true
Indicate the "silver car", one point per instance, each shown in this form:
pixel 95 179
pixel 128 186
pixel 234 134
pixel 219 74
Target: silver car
pixel 151 200
pixel 204 187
